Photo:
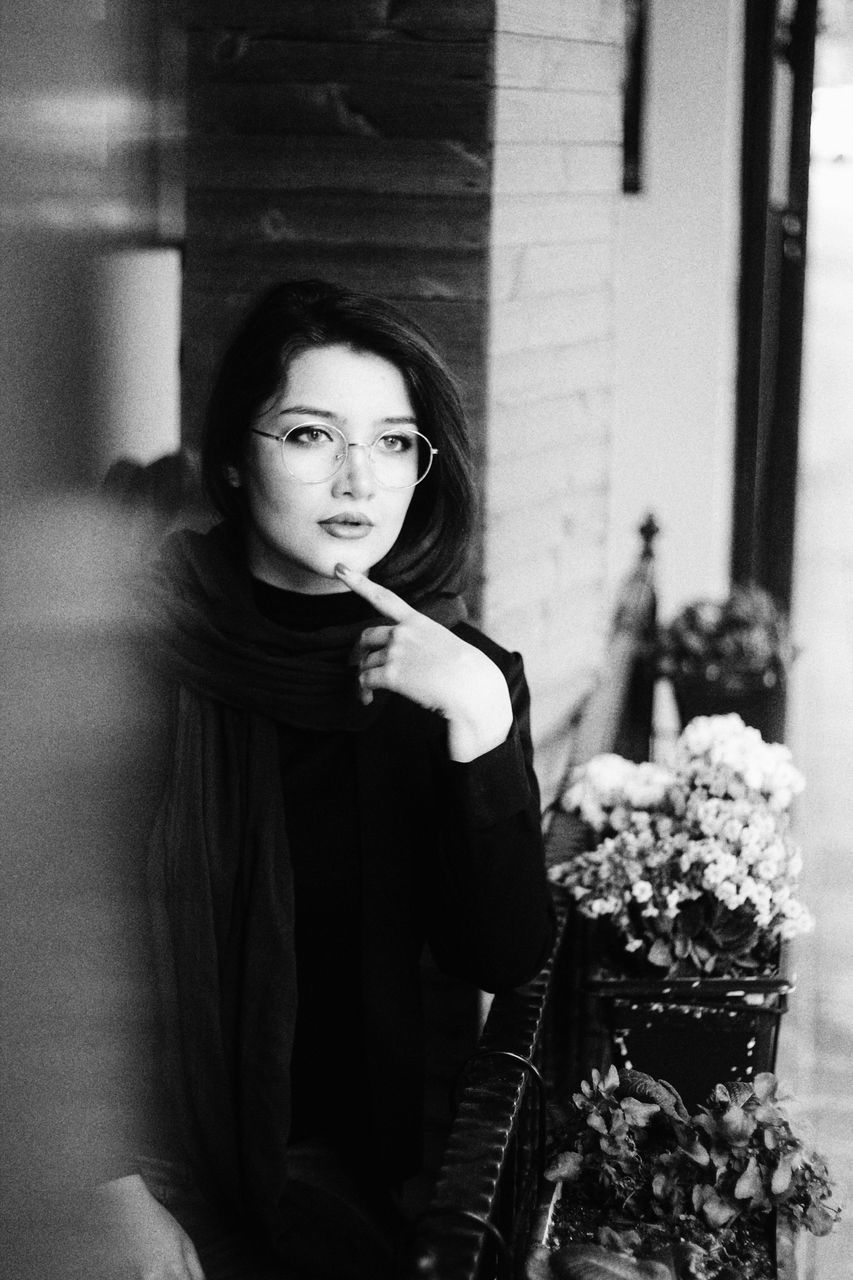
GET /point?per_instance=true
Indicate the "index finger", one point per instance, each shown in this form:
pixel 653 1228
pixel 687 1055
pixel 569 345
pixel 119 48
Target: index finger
pixel 383 600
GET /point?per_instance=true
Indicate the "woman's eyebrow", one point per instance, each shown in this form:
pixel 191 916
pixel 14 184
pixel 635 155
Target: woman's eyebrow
pixel 402 420
pixel 307 408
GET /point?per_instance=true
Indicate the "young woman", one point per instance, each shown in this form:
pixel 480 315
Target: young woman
pixel 349 779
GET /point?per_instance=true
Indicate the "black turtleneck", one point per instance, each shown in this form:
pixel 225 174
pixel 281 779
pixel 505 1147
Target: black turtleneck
pixel 302 612
pixel 319 787
pixel 452 857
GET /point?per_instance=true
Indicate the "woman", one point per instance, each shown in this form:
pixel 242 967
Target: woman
pixel 349 778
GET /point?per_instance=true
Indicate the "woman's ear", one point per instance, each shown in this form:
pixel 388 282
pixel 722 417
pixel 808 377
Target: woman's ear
pixel 232 475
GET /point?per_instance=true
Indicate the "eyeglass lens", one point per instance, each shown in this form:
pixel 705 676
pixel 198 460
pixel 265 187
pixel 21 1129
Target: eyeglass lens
pixel 399 458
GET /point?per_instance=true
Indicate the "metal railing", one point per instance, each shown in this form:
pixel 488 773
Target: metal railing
pixel 490 1182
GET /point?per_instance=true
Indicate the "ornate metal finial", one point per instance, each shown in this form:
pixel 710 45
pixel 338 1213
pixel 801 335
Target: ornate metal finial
pixel 648 531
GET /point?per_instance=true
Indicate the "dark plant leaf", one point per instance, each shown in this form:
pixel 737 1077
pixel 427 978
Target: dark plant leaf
pixel 685 1260
pixel 592 1262
pixel 740 1092
pixel 639 1114
pixel 660 954
pixel 636 1084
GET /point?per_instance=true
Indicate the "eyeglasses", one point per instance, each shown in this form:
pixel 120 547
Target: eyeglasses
pixel 314 452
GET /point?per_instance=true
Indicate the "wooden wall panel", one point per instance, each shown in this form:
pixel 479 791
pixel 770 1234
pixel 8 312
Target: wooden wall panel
pixel 363 110
pixel 243 220
pixel 348 164
pixel 226 55
pixel 368 19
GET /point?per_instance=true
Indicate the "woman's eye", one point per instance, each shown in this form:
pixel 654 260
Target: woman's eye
pixel 309 435
pixel 396 442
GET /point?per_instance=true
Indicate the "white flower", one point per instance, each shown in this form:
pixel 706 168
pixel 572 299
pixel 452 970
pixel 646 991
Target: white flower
pixel 606 790
pixel 732 830
pixel 727 893
pixel 642 891
pixel 646 787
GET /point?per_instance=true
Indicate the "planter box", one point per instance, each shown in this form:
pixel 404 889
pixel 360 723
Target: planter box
pixel 536 1264
pixel 761 707
pixel 691 1031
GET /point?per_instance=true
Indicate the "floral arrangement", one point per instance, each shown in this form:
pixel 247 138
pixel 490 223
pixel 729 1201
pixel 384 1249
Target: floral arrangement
pixel 692 1195
pixel 693 865
pixel 740 643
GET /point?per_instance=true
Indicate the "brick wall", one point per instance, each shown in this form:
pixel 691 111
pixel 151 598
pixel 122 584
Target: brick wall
pixel 556 181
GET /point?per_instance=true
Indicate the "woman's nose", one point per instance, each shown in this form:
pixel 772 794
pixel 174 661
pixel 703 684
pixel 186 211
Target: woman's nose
pixel 356 475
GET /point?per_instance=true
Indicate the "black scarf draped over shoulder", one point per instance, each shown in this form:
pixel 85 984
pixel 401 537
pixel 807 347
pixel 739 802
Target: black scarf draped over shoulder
pixel 219 868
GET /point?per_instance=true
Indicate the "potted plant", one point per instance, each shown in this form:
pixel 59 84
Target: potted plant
pixel 647 1191
pixel 691 886
pixel 729 655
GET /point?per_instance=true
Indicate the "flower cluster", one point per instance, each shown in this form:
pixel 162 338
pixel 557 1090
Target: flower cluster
pixel 693 865
pixel 610 788
pixel 739 642
pixel 651 1174
pixel 722 757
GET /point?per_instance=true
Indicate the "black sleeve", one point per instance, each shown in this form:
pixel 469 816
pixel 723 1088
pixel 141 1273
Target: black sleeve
pixel 490 914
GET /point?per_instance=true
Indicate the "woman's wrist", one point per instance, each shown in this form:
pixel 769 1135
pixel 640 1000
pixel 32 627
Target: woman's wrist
pixel 480 717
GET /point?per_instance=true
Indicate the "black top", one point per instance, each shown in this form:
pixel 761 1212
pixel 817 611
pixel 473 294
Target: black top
pixel 351 1073
pixel 318 785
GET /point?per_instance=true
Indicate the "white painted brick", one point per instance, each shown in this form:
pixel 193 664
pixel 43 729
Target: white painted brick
pixel 556 168
pixel 526 115
pixel 565 268
pixel 534 62
pixel 519 271
pixel 546 422
pixel 520 61
pixel 529 168
pixel 547 220
pixel 518 629
pixel 573 616
pixel 550 321
pixel 505 266
pixel 552 372
pixel 592 167
pixel 583 66
pixel 512 483
pixel 555 191
pixel 564 19
pixel 512 530
pixel 532 576
pixel 551 673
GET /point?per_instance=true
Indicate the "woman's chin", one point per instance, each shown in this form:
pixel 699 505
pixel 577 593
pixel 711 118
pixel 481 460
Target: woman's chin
pixel 361 561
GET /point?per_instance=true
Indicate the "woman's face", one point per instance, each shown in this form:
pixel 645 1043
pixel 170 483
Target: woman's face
pixel 298 532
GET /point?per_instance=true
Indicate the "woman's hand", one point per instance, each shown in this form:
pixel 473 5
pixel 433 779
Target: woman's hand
pixel 427 663
pixel 146 1242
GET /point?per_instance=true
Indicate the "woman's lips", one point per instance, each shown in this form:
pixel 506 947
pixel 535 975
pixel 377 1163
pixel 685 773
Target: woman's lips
pixel 347 526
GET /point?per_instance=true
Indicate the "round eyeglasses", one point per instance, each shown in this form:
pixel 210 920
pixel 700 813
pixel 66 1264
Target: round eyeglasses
pixel 314 452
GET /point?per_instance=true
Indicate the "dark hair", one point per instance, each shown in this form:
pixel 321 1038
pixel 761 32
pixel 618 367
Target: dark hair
pixel 291 318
